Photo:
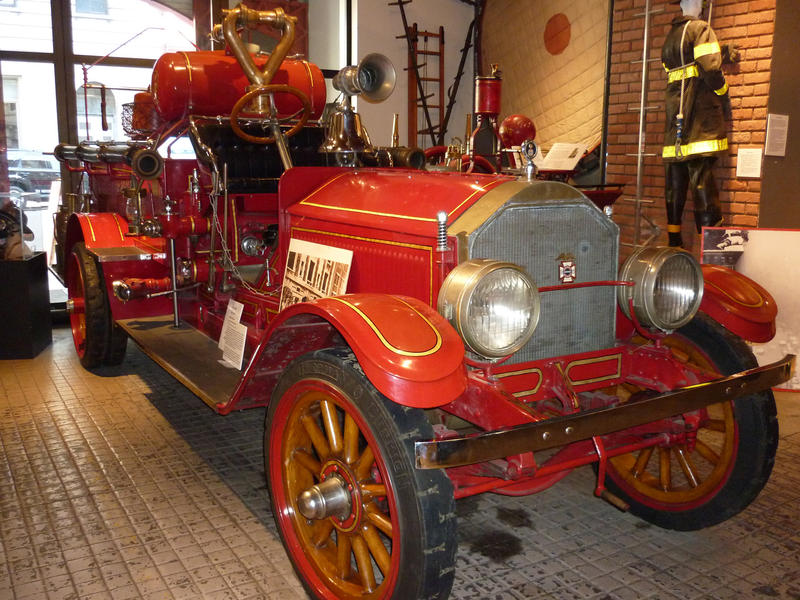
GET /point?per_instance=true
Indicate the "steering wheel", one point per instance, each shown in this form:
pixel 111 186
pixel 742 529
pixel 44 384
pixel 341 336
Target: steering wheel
pixel 260 91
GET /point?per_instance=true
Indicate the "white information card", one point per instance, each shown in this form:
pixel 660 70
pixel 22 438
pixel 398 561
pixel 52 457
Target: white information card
pixel 748 162
pixel 233 336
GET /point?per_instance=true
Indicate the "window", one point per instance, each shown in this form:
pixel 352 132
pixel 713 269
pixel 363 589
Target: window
pixel 93 7
pixel 10 85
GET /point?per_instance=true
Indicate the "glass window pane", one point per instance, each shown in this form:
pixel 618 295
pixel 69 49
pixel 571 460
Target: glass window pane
pixel 26 26
pixel 327 39
pixel 102 93
pixel 128 28
pixel 31 134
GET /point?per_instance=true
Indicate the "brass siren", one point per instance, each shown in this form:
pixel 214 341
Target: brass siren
pixel 374 80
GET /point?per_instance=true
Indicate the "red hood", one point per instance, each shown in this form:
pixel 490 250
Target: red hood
pixel 403 201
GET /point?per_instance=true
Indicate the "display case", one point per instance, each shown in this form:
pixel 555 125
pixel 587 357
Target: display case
pixel 25 300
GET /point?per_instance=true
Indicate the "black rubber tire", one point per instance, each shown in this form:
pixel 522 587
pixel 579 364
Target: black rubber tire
pixel 92 340
pixel 425 508
pixel 117 345
pixel 757 424
pixel 104 342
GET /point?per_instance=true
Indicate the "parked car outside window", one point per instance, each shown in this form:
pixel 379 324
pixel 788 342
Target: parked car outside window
pixel 30 174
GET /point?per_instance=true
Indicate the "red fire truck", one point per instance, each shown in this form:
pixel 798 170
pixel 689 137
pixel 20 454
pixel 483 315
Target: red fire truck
pixel 480 336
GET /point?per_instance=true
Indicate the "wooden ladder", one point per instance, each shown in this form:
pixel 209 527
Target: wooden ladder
pixel 426 97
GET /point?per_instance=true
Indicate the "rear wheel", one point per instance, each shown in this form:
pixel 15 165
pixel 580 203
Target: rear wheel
pixel 712 475
pixel 356 518
pixel 97 339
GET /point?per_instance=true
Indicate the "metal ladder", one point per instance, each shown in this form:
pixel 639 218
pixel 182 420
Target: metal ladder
pixel 640 153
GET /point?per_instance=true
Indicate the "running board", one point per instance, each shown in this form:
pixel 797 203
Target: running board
pixel 188 355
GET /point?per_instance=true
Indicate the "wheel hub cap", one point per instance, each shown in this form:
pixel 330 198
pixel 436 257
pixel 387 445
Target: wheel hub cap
pixel 75 306
pixel 329 498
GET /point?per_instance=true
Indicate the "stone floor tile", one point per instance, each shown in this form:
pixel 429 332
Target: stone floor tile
pixel 121 484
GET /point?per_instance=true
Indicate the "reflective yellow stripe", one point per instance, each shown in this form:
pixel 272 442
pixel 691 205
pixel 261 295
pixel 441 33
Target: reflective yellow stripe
pixel 673 228
pixel 704 49
pixel 722 91
pixel 682 73
pixel 696 148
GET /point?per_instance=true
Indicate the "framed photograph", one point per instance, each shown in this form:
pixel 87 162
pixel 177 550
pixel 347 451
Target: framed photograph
pixel 314 271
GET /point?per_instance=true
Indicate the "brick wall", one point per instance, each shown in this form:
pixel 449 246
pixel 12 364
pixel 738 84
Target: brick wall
pixel 747 24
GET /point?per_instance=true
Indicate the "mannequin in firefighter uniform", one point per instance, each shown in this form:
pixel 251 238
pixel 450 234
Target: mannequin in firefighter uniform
pixel 696 105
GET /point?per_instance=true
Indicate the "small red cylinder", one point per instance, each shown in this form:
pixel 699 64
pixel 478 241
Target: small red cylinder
pixel 173 226
pixel 140 288
pixel 200 270
pixel 145 118
pixel 487 96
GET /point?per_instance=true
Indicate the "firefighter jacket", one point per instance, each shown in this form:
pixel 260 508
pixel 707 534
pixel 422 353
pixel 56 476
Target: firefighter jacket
pixel 696 88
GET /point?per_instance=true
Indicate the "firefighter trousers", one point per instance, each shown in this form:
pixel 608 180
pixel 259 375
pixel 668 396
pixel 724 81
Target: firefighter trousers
pixel 697 174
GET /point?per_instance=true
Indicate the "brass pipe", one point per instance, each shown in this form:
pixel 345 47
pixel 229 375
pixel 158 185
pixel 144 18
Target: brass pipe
pixel 246 17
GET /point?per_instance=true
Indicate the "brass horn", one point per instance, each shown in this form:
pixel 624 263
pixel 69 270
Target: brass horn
pixel 373 78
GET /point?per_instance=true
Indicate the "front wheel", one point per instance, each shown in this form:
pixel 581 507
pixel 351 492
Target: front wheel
pixel 718 471
pixel 98 340
pixel 355 516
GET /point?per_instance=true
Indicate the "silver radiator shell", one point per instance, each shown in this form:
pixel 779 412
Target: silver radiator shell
pixel 539 225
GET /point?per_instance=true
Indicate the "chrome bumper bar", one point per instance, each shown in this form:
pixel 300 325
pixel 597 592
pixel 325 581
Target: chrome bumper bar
pixel 560 431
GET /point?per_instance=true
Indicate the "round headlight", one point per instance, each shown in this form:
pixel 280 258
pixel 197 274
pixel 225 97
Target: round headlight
pixel 493 305
pixel 668 287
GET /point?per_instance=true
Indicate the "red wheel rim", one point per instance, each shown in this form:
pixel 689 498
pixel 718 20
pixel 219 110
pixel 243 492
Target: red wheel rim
pixel 77 296
pixel 354 557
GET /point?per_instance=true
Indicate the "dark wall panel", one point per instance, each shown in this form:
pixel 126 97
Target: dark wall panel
pixel 781 175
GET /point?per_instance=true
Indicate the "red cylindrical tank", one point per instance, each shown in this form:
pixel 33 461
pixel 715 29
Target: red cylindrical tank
pixel 209 82
pixel 487 95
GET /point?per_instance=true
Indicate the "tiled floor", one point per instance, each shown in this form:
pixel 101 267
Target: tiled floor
pixel 122 484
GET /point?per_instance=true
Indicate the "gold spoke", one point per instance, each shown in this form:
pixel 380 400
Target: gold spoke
pixel 379 519
pixel 641 462
pixel 330 419
pixel 322 532
pixel 364 464
pixel 308 462
pixel 377 549
pixel 316 435
pixel 685 461
pixel 665 469
pixel 343 556
pixel 351 434
pixel 364 563
pixel 715 425
pixel 372 490
pixel 706 452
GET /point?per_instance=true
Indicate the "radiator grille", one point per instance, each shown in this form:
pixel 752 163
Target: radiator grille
pixel 538 233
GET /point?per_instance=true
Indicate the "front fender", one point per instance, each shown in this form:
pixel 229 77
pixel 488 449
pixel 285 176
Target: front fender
pixel 738 303
pixel 96 229
pixel 407 350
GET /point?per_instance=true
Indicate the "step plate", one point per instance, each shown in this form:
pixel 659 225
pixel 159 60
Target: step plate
pixel 188 355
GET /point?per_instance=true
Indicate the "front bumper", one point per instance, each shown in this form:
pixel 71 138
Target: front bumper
pixel 560 431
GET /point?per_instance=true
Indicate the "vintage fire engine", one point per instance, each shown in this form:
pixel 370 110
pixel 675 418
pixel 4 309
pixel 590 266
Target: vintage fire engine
pixel 487 340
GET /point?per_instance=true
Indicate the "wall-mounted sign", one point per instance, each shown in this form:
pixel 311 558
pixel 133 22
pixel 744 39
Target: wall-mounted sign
pixel 777 131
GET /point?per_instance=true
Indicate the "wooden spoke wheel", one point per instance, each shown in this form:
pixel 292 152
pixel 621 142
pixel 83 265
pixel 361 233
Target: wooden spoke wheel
pixel 725 459
pixel 260 91
pixel 356 518
pixel 97 339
